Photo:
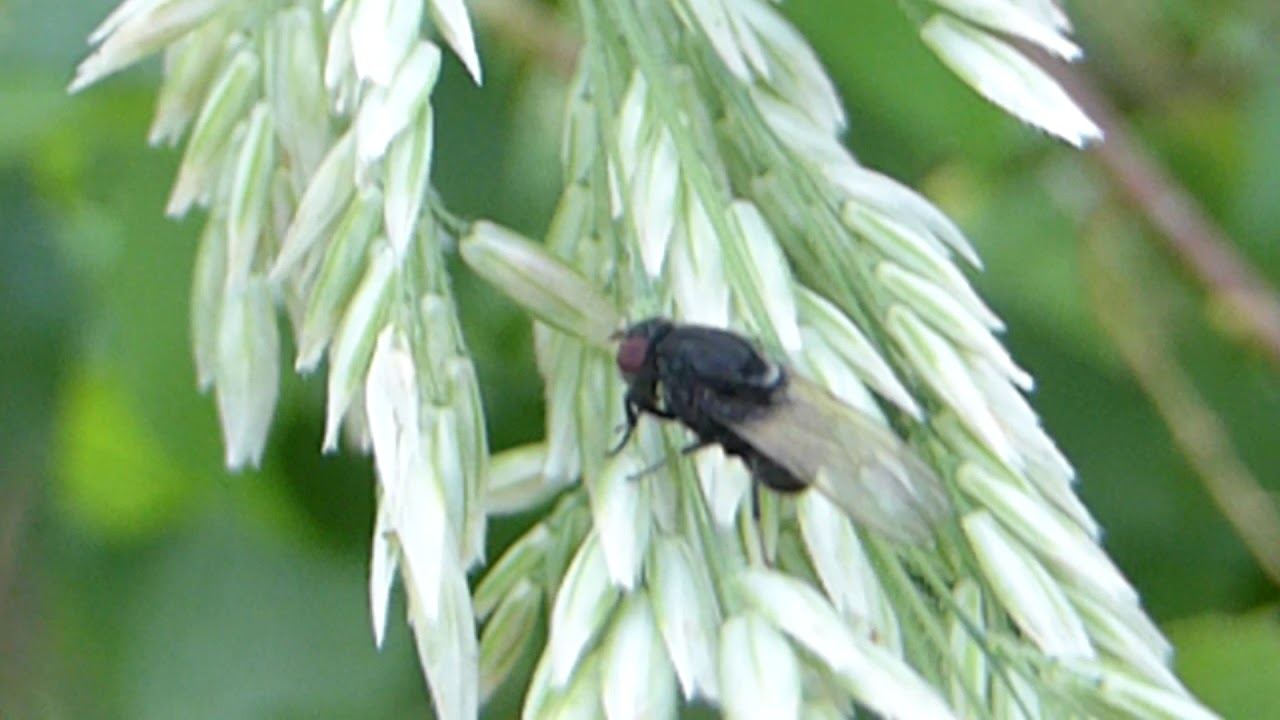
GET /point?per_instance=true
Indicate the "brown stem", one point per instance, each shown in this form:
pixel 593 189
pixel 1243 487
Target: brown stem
pixel 1198 432
pixel 1206 252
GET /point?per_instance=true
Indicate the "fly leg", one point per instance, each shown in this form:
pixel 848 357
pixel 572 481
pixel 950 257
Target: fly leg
pixel 633 417
pixel 686 450
pixel 695 447
pixel 634 407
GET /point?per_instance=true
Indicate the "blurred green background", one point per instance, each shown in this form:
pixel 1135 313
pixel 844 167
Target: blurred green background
pixel 139 580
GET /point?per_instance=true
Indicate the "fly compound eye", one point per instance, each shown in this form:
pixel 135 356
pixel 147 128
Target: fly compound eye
pixel 632 354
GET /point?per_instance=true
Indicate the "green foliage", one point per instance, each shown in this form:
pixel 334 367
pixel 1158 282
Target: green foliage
pixel 163 588
pixel 1231 660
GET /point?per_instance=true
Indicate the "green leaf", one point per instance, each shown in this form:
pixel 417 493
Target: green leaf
pixel 1231 661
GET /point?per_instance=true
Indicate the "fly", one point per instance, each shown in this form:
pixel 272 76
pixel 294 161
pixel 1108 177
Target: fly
pixel 790 433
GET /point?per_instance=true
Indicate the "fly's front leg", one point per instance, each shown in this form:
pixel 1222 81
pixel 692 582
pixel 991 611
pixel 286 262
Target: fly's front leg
pixel 632 409
pixel 686 450
pixel 636 403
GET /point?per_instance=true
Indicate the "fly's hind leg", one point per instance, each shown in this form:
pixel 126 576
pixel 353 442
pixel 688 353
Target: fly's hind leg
pixel 763 545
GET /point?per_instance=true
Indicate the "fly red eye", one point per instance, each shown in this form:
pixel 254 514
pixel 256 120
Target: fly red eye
pixel 632 354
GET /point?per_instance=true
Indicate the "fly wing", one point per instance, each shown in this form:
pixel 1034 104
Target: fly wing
pixel 862 466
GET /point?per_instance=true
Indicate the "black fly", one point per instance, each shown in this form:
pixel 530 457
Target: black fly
pixel 790 433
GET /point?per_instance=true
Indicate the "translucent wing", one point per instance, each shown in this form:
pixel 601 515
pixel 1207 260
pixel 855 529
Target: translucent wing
pixel 863 467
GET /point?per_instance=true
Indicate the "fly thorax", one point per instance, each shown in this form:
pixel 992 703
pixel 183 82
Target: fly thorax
pixel 773 377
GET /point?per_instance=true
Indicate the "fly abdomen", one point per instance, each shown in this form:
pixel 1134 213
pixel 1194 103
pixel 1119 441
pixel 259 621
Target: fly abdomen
pixel 772 475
